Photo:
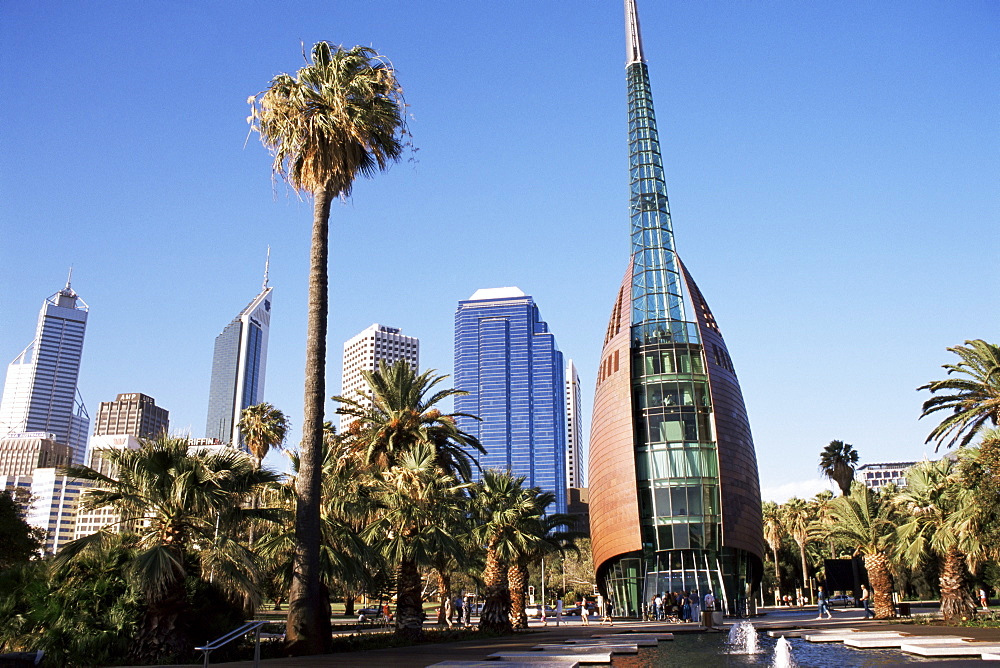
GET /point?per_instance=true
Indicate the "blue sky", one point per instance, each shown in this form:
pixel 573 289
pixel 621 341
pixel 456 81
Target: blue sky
pixel 833 174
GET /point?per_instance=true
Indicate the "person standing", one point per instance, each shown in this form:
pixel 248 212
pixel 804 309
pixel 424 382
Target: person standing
pixel 467 609
pixel 584 613
pixel 866 599
pixel 686 608
pixel 983 601
pixel 459 610
pixel 658 607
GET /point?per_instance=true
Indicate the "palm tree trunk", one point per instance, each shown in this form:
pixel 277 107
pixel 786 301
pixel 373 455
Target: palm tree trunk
pixel 496 610
pixel 409 608
pixel 517 581
pixel 308 628
pixel 956 602
pixel 805 572
pixel 880 578
pixel 777 572
pixel 444 594
pixel 163 635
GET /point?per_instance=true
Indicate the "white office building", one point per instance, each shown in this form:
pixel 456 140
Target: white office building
pixel 53 504
pixel 574 432
pixel 876 476
pixel 364 351
pixel 40 393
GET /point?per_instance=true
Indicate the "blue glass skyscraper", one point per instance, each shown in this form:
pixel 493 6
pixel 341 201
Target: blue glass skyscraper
pixel 508 362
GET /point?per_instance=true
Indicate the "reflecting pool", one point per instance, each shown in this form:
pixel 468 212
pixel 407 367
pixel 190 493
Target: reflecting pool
pixel 709 650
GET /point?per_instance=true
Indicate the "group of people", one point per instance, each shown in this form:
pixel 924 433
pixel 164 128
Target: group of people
pixel 680 606
pixel 460 609
pixel 605 608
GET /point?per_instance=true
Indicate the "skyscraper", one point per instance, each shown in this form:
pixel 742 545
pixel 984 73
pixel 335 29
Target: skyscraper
pixel 675 499
pixel 574 434
pixel 238 368
pixel 134 414
pixel 508 362
pixel 364 351
pixel 40 394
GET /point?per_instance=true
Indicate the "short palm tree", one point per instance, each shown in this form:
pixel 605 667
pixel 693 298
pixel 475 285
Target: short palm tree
pixel 773 533
pixel 263 427
pixel 866 523
pixel 797 520
pixel 503 510
pixel 340 116
pixel 400 411
pixel 837 462
pixel 186 510
pixel 542 538
pixel 973 394
pixel 420 506
pixel 938 511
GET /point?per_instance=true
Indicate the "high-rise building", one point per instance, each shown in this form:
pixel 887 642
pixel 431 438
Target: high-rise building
pixel 508 362
pixel 21 454
pixel 574 463
pixel 364 351
pixel 238 367
pixel 53 503
pixel 675 497
pixel 40 393
pixel 134 414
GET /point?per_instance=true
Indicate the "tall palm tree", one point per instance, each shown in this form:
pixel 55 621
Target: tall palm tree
pixel 980 472
pixel 973 399
pixel 402 411
pixel 502 508
pixel 797 521
pixel 774 531
pixel 542 538
pixel 866 523
pixel 836 462
pixel 263 427
pixel 185 509
pixel 939 515
pixel 340 116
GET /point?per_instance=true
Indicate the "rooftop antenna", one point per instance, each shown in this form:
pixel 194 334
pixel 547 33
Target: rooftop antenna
pixel 69 279
pixel 267 265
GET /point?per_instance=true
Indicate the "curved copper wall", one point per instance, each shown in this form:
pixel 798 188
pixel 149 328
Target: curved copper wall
pixel 742 525
pixel 614 505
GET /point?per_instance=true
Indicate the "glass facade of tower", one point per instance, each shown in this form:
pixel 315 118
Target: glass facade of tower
pixel 238 369
pixel 693 472
pixel 508 362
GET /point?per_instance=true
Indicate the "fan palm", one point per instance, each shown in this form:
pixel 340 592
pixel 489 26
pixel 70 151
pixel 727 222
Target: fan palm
pixel 503 510
pixel 541 539
pixel 186 509
pixel 773 533
pixel 866 523
pixel 797 520
pixel 836 462
pixel 262 427
pixel 939 518
pixel 420 506
pixel 973 399
pixel 340 116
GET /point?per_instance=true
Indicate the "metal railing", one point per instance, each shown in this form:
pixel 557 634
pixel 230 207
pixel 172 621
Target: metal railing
pixel 236 634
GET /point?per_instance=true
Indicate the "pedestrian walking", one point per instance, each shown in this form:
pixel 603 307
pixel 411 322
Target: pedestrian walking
pixel 866 599
pixel 983 601
pixel 823 608
pixel 584 614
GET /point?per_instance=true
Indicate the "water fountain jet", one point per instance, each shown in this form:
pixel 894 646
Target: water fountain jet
pixel 782 655
pixel 743 638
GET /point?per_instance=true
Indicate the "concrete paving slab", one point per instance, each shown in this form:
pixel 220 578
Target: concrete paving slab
pixel 592 657
pixel 874 642
pixel 629 636
pixel 952 649
pixel 614 648
pixel 641 641
pixel 503 664
pixel 842 636
pixel 991 657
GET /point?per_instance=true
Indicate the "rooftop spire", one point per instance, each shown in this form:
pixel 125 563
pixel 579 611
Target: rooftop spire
pixel 267 265
pixel 633 36
pixel 69 279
